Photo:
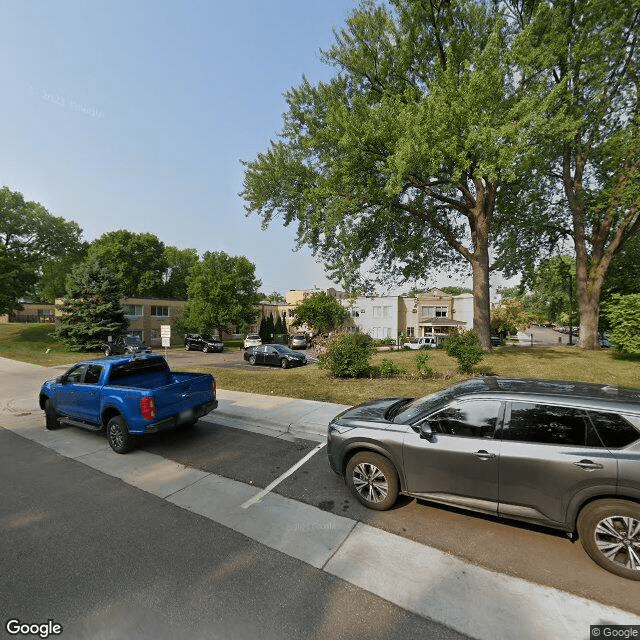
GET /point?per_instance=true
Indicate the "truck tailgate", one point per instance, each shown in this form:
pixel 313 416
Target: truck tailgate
pixel 190 390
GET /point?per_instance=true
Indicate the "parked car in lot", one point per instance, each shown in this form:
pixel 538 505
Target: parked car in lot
pixel 298 341
pixel 126 396
pixel 425 342
pixel 195 341
pixel 252 340
pixel 128 344
pixel 561 454
pixel 276 355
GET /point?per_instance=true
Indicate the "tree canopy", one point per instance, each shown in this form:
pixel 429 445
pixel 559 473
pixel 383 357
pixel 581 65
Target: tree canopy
pixel 32 243
pixel 397 161
pixel 223 294
pixel 138 260
pixel 578 61
pixel 91 309
pixel 320 312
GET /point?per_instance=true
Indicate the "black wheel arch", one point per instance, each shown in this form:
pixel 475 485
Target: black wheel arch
pixel 372 447
pixel 108 413
pixel 573 521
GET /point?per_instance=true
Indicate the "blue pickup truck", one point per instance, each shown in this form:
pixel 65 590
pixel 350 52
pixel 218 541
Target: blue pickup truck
pixel 126 396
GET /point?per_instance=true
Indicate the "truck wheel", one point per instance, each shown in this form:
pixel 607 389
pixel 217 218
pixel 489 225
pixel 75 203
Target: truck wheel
pixel 205 349
pixel 187 347
pixel 107 351
pixel 50 416
pixel 120 440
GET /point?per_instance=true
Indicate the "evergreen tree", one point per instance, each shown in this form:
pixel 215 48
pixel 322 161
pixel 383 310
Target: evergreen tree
pixel 91 309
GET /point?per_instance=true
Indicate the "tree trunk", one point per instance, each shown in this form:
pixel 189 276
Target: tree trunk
pixel 481 304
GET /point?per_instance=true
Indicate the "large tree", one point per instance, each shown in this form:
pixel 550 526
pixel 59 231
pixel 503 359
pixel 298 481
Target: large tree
pixel 179 262
pixel 580 60
pixel 31 241
pixel 91 309
pixel 137 259
pixel 321 312
pixel 396 163
pixel 223 294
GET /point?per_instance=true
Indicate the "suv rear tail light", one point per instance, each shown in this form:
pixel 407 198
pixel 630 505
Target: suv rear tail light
pixel 213 387
pixel 148 408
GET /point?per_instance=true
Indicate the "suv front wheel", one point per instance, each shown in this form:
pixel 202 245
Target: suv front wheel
pixel 373 480
pixel 609 531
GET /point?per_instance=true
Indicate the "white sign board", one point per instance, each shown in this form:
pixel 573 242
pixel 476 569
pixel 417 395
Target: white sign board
pixel 165 334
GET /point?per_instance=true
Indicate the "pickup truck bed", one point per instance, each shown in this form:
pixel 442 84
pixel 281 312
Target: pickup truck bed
pixel 127 396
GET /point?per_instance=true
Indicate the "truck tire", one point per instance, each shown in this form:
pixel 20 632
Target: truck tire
pixel 50 416
pixel 120 440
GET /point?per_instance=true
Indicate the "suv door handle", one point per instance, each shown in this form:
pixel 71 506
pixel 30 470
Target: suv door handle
pixel 484 455
pixel 588 465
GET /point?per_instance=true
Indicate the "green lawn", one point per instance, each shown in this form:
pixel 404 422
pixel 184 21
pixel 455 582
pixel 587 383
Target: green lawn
pixel 563 363
pixel 34 343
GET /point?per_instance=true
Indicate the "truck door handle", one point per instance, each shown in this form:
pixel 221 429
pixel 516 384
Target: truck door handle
pixel 484 455
pixel 588 465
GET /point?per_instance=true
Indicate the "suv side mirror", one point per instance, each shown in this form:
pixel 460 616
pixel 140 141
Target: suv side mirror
pixel 426 432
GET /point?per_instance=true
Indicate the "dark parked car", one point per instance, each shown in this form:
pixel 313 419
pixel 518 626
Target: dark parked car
pixel 200 343
pixel 561 454
pixel 128 344
pixel 274 354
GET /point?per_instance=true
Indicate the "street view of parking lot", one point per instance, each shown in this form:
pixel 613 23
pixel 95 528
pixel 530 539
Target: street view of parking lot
pixel 320 320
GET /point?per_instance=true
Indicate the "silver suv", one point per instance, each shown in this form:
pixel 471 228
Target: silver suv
pixel 562 454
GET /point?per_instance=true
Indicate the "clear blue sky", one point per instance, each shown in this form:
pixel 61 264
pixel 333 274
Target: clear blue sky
pixel 135 114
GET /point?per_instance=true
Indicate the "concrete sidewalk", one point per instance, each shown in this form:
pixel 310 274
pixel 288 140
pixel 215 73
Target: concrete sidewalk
pixel 274 416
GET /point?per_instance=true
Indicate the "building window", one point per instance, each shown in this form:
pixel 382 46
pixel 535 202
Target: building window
pixel 411 332
pixel 133 310
pixel 160 312
pixel 435 312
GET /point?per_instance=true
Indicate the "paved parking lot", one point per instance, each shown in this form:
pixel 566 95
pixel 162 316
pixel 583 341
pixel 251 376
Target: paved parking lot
pixel 228 359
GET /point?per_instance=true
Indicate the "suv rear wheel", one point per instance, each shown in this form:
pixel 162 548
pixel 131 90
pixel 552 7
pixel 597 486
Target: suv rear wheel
pixel 610 533
pixel 373 480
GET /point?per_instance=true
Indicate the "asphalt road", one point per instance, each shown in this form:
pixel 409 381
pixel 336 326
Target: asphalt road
pixel 106 560
pixel 536 554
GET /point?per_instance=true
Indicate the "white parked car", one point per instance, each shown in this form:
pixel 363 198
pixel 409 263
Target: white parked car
pixel 252 340
pixel 425 341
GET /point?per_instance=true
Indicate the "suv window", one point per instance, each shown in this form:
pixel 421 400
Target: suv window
pixel 546 424
pixel 473 419
pixel 615 431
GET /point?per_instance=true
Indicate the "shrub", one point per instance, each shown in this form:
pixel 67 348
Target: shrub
pixel 348 356
pixel 422 358
pixel 388 369
pixel 623 313
pixel 465 348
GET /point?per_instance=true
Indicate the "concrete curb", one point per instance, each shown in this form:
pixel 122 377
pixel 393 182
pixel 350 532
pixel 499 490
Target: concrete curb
pixel 275 415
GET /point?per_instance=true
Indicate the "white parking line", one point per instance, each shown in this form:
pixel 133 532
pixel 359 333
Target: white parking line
pixel 279 479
